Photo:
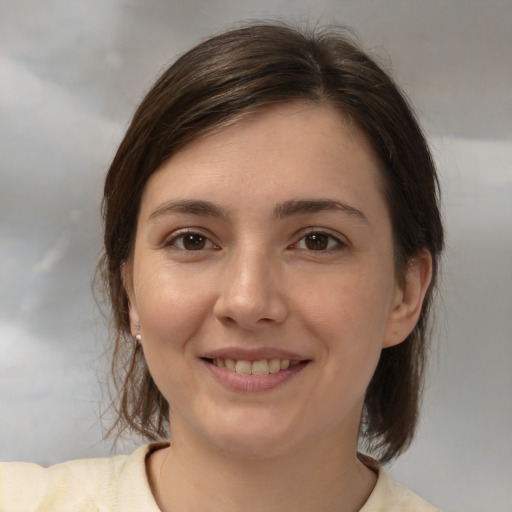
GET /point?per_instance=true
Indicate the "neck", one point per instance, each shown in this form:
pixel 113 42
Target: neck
pixel 322 476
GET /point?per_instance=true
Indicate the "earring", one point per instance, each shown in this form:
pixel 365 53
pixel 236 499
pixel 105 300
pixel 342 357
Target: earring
pixel 138 337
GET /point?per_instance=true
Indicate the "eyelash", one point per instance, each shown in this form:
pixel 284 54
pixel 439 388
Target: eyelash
pixel 181 236
pixel 333 242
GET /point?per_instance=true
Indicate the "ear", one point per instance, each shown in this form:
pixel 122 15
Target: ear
pixel 127 276
pixel 408 299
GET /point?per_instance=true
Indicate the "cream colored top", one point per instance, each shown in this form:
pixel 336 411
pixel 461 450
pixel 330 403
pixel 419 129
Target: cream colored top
pixel 120 484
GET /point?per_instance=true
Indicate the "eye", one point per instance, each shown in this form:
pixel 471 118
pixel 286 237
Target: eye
pixel 191 241
pixel 319 241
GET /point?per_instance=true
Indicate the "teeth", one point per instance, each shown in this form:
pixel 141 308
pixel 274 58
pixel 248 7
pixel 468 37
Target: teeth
pixel 261 367
pixel 243 367
pixel 274 365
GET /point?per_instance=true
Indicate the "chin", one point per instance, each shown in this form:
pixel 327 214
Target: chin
pixel 252 440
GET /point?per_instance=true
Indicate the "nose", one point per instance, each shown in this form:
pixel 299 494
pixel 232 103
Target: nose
pixel 251 292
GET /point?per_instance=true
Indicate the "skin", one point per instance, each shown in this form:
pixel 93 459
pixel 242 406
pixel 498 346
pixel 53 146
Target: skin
pixel 254 281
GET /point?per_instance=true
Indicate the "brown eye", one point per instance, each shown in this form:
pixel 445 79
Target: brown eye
pixel 194 242
pixel 319 241
pixel 191 242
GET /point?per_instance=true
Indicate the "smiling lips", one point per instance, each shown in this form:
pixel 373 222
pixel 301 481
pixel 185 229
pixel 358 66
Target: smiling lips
pixel 260 367
pixel 256 373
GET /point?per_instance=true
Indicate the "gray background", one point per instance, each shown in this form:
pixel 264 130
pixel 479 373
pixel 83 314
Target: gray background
pixel 71 73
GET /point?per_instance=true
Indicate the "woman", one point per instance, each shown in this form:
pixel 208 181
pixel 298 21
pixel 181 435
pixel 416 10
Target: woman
pixel 272 237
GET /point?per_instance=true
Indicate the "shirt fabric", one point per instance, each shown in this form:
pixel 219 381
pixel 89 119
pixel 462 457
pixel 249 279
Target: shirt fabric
pixel 120 484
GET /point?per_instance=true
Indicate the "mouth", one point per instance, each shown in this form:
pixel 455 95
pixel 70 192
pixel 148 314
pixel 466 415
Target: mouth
pixel 259 367
pixel 254 371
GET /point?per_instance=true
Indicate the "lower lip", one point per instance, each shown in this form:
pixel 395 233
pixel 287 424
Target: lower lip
pixel 253 383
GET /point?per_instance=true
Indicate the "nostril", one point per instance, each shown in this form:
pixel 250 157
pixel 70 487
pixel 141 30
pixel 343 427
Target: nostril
pixel 226 320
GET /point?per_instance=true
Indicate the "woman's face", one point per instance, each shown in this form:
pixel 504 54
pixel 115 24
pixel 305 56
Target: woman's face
pixel 263 282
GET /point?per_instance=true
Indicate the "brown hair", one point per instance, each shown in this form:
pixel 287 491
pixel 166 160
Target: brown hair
pixel 235 74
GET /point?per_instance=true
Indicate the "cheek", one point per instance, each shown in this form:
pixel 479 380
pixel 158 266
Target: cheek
pixel 171 303
pixel 172 311
pixel 348 314
pixel 345 304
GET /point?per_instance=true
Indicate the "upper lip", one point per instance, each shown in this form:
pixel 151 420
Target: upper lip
pixel 252 354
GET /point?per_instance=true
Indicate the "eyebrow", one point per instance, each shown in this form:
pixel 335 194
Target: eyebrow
pixel 301 206
pixel 282 210
pixel 191 206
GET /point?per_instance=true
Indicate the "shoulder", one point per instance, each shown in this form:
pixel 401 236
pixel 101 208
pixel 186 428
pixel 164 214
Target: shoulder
pixel 26 486
pixel 390 495
pixel 91 484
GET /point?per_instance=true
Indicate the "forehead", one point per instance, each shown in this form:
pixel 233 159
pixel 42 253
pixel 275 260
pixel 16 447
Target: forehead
pixel 287 151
